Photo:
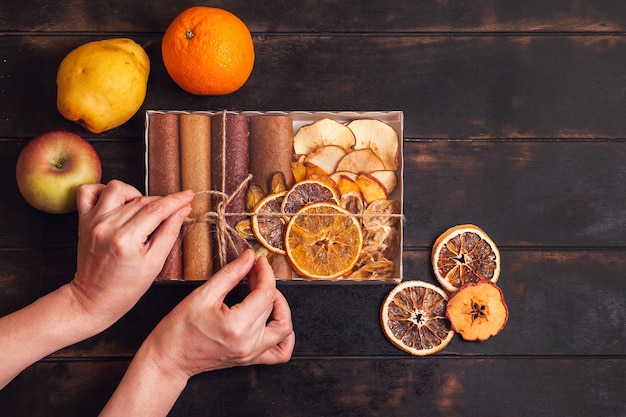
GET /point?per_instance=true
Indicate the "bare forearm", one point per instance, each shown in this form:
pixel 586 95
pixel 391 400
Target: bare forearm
pixel 146 389
pixel 41 328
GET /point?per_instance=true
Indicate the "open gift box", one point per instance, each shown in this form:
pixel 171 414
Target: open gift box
pixel 223 155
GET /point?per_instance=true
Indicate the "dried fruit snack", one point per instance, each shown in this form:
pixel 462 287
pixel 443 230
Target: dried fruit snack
pixel 323 241
pixel 477 310
pixel 413 317
pixel 464 253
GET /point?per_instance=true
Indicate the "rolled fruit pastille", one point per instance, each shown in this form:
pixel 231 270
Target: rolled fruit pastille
pixel 164 177
pixel 271 147
pixel 195 149
pixel 229 169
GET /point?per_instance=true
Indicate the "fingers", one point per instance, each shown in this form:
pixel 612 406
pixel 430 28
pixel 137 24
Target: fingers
pixel 115 194
pixel 161 218
pixel 87 196
pixel 224 280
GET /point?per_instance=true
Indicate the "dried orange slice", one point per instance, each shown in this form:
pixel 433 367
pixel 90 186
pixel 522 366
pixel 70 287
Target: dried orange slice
pixel 477 310
pixel 464 253
pixel 323 241
pixel 267 225
pixel 308 192
pixel 413 318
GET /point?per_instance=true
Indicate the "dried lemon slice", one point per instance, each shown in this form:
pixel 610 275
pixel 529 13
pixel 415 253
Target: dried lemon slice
pixel 413 318
pixel 267 225
pixel 462 254
pixel 323 241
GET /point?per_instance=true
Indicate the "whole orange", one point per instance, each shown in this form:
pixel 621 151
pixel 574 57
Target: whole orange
pixel 208 51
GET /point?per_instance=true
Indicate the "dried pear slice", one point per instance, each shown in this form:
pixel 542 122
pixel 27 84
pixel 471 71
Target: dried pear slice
pixel 321 133
pixel 379 137
pixel 477 310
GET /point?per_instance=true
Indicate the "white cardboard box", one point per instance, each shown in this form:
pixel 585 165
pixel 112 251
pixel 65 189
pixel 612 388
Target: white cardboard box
pixel 301 118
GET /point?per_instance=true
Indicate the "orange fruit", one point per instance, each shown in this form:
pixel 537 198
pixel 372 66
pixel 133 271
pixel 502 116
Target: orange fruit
pixel 308 192
pixel 269 229
pixel 208 51
pixel 464 253
pixel 413 317
pixel 323 241
pixel 477 310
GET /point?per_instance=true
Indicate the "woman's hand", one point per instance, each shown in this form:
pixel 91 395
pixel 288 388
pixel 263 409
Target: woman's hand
pixel 123 240
pixel 202 333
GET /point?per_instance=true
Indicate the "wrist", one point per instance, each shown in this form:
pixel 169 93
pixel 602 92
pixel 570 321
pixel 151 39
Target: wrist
pixel 82 309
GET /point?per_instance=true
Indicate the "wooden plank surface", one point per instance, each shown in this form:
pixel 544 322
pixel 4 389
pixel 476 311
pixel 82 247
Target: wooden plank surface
pixel 488 86
pixel 399 387
pixel 514 120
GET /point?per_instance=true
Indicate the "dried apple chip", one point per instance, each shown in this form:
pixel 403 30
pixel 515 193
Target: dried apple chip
pixel 321 133
pixel 477 310
pixel 379 137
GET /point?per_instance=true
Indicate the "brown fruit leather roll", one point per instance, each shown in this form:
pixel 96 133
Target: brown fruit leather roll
pixel 229 155
pixel 195 151
pixel 271 149
pixel 164 177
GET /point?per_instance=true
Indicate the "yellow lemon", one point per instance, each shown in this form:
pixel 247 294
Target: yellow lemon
pixel 102 84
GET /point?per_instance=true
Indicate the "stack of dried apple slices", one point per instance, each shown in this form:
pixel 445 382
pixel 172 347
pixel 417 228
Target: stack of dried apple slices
pixel 360 160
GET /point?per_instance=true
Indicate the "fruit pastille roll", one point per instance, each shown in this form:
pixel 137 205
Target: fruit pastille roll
pixel 164 177
pixel 271 149
pixel 195 150
pixel 230 136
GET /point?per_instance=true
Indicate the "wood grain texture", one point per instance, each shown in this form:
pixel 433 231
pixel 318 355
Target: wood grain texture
pixel 465 86
pixel 351 387
pixel 514 121
pixel 331 16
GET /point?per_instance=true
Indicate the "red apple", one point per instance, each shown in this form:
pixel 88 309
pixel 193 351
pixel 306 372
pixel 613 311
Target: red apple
pixel 52 166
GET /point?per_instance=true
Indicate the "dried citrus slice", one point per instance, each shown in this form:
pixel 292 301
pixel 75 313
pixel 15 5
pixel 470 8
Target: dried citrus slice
pixel 308 192
pixel 413 317
pixel 323 241
pixel 477 310
pixel 463 254
pixel 267 225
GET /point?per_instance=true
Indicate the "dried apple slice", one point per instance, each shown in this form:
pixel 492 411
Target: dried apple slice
pixel 477 310
pixel 387 178
pixel 379 137
pixel 321 133
pixel 335 175
pixel 327 157
pixel 370 187
pixel 362 160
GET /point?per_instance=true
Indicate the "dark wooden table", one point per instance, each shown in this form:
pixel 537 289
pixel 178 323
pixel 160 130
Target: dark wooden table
pixel 515 120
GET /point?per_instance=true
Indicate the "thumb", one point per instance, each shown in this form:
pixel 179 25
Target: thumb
pixel 87 196
pixel 224 280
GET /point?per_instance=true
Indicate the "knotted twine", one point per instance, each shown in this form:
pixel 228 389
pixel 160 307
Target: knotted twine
pixel 223 231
